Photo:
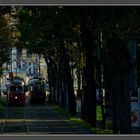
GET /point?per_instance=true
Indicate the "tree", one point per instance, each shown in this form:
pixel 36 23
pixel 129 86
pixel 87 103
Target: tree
pixel 5 38
pixel 38 34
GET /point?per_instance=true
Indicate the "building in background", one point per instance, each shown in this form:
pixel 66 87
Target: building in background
pixel 27 65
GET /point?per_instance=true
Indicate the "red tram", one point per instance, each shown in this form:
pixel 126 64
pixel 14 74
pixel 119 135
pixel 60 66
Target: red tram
pixel 37 91
pixel 16 93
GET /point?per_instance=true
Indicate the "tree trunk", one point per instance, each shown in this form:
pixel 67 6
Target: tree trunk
pixel 49 70
pixel 127 105
pixel 124 105
pixel 68 77
pixel 90 90
pixel 114 103
pixel 119 65
pixel 83 99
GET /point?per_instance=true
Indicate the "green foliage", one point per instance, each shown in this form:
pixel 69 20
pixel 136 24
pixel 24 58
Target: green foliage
pixel 2 104
pixel 41 27
pixel 38 24
pixel 71 117
pixel 25 88
pixel 2 101
pixel 102 131
pixel 5 41
pixel 98 113
pixel 81 122
pixel 5 9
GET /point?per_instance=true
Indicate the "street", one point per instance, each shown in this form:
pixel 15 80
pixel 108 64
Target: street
pixel 36 119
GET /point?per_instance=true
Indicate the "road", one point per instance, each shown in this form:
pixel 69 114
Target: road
pixel 38 120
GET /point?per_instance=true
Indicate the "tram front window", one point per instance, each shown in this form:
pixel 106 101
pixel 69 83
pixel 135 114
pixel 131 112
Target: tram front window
pixel 12 89
pixel 19 89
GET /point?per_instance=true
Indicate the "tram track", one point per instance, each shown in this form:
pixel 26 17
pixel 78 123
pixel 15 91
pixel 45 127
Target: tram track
pixel 32 120
pixel 28 130
pixel 6 116
pixel 56 125
pixel 14 121
pixel 37 124
pixel 44 122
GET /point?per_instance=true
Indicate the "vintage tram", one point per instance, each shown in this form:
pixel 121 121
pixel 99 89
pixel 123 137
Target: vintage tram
pixel 16 94
pixel 37 93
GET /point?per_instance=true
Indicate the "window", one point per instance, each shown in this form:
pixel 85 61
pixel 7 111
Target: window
pixel 19 89
pixel 12 89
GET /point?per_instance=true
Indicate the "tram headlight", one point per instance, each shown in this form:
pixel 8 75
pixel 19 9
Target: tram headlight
pixel 15 97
